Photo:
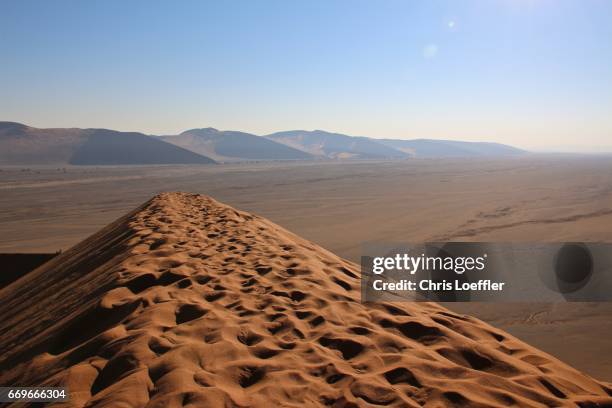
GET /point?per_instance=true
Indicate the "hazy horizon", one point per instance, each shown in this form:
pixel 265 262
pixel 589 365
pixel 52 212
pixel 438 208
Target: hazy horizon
pixel 546 150
pixel 531 74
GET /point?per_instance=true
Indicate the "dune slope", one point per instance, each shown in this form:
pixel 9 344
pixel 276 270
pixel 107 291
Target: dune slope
pixel 189 302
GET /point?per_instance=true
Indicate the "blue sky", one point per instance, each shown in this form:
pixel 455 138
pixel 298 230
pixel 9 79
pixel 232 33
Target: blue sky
pixel 532 73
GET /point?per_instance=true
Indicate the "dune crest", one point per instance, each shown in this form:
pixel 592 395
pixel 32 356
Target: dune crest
pixel 189 302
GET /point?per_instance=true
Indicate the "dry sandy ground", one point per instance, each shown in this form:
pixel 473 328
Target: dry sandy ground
pixel 342 205
pixel 188 302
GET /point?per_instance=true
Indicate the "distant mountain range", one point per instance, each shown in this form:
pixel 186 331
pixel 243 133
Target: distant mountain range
pixel 21 144
pixel 450 148
pixel 319 144
pixel 335 145
pixel 234 146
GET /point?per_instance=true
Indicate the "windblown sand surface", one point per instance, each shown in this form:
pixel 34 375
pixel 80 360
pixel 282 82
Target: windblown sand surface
pixel 188 302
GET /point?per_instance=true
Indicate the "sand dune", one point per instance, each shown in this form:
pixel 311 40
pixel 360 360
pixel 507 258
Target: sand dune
pixel 188 302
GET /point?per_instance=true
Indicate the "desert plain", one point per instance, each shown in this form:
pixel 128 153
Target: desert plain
pixel 344 205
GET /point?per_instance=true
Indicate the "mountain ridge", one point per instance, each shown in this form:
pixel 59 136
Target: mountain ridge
pixel 336 145
pixel 423 147
pixel 229 145
pixel 25 145
pixel 22 144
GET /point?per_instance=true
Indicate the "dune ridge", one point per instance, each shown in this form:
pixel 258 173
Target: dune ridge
pixel 188 302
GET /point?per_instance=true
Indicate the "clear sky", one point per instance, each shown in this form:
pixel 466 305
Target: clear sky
pixel 531 73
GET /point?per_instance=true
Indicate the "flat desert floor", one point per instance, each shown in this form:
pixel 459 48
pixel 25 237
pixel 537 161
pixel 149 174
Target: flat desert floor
pixel 341 206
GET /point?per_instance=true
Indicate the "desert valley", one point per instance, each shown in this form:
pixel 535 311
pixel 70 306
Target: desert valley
pixel 342 204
